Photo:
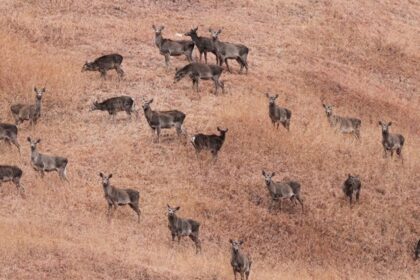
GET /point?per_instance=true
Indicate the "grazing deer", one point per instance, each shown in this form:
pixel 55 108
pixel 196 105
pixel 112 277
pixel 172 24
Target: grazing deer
pixel 343 124
pixel 45 163
pixel 168 47
pixel 352 184
pixel 240 262
pixel 158 120
pixel 105 63
pixel 8 133
pixel 417 251
pixel 199 71
pixel 183 227
pixel 11 173
pixel 23 112
pixel 282 190
pixel 225 51
pixel 203 44
pixel 114 105
pixel 117 197
pixel 278 115
pixel 390 141
pixel 212 142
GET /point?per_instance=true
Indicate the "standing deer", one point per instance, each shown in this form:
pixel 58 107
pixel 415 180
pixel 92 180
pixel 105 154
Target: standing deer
pixel 9 133
pixel 168 47
pixel 199 71
pixel 114 105
pixel 105 63
pixel 277 114
pixel 183 227
pixel 11 173
pixel 225 51
pixel 23 112
pixel 117 197
pixel 352 185
pixel 212 142
pixel 203 44
pixel 158 120
pixel 390 141
pixel 240 262
pixel 282 190
pixel 343 124
pixel 45 163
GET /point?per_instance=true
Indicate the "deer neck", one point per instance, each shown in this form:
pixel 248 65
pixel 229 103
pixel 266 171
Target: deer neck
pixel 158 40
pixel 385 134
pixel 148 113
pixel 272 107
pixel 194 37
pixel 173 220
pixel 34 154
pixel 38 105
pixel 107 188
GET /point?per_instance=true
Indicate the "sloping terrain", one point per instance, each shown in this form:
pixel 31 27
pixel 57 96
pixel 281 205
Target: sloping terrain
pixel 363 58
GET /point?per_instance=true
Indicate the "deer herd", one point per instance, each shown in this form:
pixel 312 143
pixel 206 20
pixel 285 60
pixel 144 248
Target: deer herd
pixel 158 120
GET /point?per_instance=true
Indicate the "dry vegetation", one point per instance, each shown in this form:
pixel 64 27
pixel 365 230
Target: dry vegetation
pixel 361 56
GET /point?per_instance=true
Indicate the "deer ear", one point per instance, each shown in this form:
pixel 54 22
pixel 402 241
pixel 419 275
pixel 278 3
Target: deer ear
pixel 210 30
pixel 43 89
pixel 220 31
pixel 227 129
pixel 151 100
pixel 380 123
pixel 277 95
pixel 323 105
pixel 390 123
pixel 274 173
pixel 35 89
pixel 267 95
pixel 154 27
pixel 176 209
pixel 38 141
pixel 230 241
pixel 110 176
pixel 241 242
pixel 101 175
pixel 195 29
pixel 29 139
pixel 167 205
pixel 263 172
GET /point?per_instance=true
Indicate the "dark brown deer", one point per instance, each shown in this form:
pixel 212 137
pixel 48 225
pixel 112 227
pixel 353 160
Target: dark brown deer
pixel 352 185
pixel 12 173
pixel 212 142
pixel 9 133
pixel 117 197
pixel 168 47
pixel 23 112
pixel 203 44
pixel 105 63
pixel 227 51
pixel 158 120
pixel 183 227
pixel 199 71
pixel 116 104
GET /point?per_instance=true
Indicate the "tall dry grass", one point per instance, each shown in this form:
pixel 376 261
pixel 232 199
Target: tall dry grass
pixel 357 56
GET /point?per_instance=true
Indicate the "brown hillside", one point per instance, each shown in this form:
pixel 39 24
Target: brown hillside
pixel 363 57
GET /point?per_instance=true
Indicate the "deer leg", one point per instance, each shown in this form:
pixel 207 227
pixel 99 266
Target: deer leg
pixel 201 56
pixel 227 65
pixel 173 236
pixel 136 209
pixel 178 129
pixel 158 133
pixel 234 273
pixel 357 195
pixel 16 143
pixel 197 243
pixel 179 239
pixel 300 201
pixel 241 64
pixel 205 57
pixel 103 73
pixel 119 70
pixel 214 154
pixel 216 85
pixel 167 56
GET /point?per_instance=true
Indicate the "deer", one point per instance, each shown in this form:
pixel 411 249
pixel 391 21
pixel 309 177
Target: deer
pixel 212 142
pixel 168 47
pixel 352 185
pixel 14 174
pixel 23 112
pixel 180 227
pixel 240 262
pixel 390 141
pixel 203 44
pixel 158 120
pixel 343 124
pixel 225 51
pixel 46 163
pixel 9 133
pixel 198 71
pixel 285 189
pixel 116 104
pixel 118 197
pixel 105 63
pixel 277 114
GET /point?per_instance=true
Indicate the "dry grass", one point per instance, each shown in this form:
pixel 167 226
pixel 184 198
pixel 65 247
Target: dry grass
pixel 361 57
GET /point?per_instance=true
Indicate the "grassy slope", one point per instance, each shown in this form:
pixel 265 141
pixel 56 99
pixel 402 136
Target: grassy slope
pixel 360 57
